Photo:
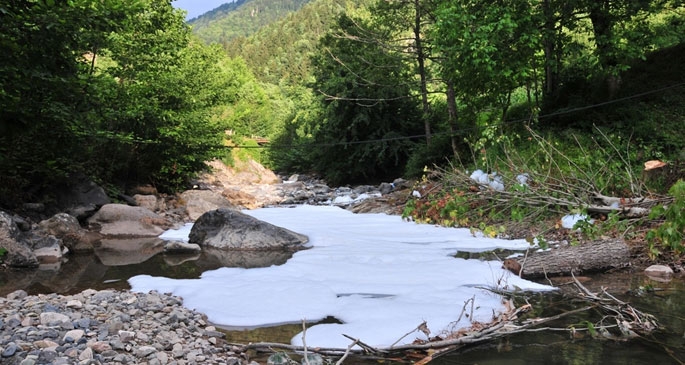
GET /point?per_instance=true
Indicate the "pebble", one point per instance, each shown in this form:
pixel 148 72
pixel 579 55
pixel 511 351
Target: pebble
pixel 108 327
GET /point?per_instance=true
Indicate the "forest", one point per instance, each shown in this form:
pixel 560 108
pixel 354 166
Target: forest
pixel 129 93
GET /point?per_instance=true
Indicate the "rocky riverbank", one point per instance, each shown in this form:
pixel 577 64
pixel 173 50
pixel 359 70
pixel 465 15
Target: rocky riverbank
pixel 118 326
pixel 108 327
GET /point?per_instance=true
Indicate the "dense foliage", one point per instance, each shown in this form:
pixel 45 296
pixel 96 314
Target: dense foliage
pixel 119 90
pixel 352 90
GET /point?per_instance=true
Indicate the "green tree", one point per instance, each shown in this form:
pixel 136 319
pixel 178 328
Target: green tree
pixel 117 89
pixel 487 52
pixel 168 90
pixel 368 110
pixel 45 92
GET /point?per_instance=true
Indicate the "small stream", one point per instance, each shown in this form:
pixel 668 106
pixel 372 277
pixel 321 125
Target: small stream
pixel 666 303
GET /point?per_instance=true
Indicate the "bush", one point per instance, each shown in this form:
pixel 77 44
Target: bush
pixel 670 233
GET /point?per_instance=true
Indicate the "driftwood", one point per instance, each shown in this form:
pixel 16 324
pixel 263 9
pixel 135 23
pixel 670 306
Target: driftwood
pixel 587 257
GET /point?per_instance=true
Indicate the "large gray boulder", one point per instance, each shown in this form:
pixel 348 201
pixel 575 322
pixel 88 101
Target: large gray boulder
pixel 231 229
pixel 123 220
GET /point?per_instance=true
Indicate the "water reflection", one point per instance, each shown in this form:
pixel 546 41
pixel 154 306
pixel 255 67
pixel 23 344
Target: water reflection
pixel 666 301
pixel 110 269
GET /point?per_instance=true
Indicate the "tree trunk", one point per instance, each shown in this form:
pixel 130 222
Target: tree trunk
pixel 602 27
pixel 452 117
pixel 549 48
pixel 421 59
pixel 588 257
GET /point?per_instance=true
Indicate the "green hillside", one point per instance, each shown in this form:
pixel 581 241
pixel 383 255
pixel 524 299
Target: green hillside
pixel 241 18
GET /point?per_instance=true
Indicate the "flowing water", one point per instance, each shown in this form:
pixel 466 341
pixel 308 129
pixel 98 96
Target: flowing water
pixel 666 303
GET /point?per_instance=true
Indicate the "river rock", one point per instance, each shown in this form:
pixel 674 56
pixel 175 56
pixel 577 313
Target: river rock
pixel 124 220
pixel 17 253
pixel 80 196
pixel 50 254
pixel 108 327
pixel 67 228
pixel 199 202
pixel 240 198
pixel 659 272
pixel 181 247
pixel 231 229
pixel 149 202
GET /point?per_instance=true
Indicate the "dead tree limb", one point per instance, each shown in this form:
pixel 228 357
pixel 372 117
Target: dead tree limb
pixel 588 257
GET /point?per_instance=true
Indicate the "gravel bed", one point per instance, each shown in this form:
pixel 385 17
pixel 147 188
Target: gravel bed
pixel 108 327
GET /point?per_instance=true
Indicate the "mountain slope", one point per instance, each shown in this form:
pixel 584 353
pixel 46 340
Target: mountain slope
pixel 241 18
pixel 280 52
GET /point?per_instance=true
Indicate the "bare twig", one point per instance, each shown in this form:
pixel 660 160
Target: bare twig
pixel 304 342
pixel 463 309
pixel 365 347
pixel 422 327
pixel 347 352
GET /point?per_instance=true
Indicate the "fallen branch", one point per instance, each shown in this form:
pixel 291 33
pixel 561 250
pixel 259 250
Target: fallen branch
pixel 592 256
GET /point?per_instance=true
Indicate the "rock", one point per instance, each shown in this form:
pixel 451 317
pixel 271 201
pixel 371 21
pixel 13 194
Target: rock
pixel 123 220
pixel 386 188
pixel 17 254
pixel 8 227
pixel 80 197
pixel 659 272
pixel 239 198
pixel 230 229
pixel 155 329
pixel 148 202
pixel 23 224
pixel 17 295
pixel 198 202
pixel 243 173
pixel 127 199
pixel 181 247
pixel 53 318
pixel 48 255
pixel 67 228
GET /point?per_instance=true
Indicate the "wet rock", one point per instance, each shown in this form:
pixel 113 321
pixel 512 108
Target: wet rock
pixel 49 255
pixel 230 229
pixel 66 228
pixel 179 247
pixel 124 220
pixel 659 272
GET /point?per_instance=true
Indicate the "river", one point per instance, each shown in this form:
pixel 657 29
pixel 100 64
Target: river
pixel 426 253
